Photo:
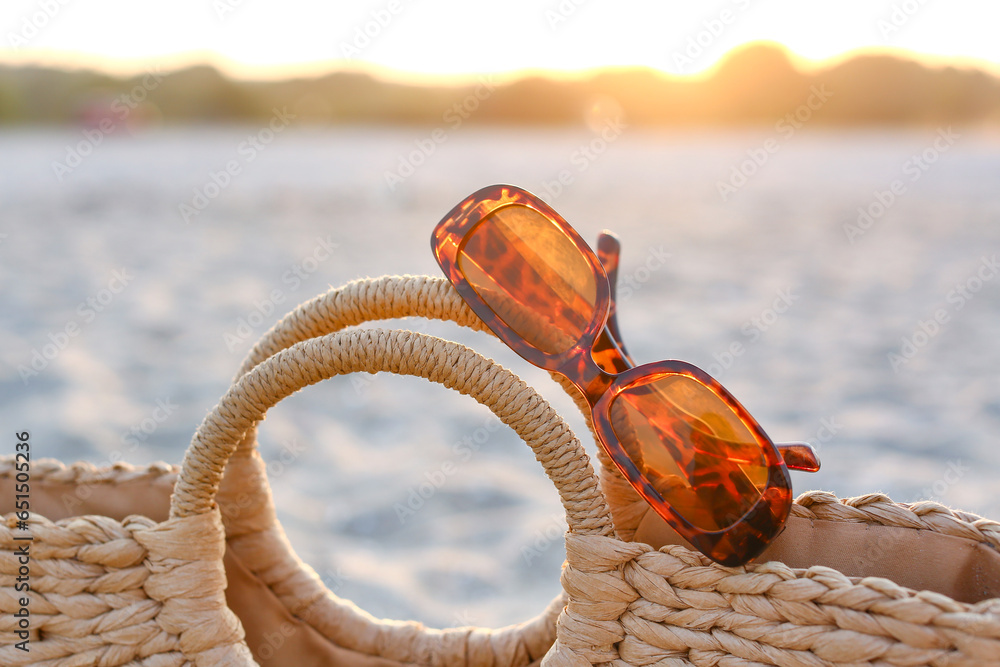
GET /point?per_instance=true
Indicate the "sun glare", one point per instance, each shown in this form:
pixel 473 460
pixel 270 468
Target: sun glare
pixel 437 39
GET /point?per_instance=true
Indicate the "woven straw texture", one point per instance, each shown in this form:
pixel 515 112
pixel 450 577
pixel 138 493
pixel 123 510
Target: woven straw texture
pixel 121 593
pixel 137 592
pixel 632 605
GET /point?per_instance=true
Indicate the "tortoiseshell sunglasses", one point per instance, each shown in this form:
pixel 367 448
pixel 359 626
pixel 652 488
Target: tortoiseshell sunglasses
pixel 679 437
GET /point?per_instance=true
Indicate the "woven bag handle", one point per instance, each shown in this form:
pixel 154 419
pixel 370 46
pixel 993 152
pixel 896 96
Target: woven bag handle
pixel 364 300
pixel 405 353
pixel 371 299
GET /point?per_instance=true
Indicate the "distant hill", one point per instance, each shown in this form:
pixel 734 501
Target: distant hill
pixel 757 84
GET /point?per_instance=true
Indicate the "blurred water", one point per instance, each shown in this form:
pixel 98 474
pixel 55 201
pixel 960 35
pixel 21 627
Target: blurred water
pixel 312 210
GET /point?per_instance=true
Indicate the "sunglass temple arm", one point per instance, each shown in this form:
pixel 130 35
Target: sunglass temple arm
pixel 608 252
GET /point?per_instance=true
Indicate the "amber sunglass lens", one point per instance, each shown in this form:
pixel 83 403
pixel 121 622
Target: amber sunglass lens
pixel 692 447
pixel 532 276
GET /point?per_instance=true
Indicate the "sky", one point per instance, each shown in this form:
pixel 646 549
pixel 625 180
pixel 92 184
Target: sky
pixel 440 39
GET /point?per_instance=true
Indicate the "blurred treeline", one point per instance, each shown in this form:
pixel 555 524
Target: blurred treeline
pixel 755 84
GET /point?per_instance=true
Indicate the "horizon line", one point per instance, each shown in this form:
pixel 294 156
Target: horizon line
pixel 124 68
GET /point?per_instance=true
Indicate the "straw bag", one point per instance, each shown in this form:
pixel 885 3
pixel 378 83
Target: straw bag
pixel 150 588
pixel 132 591
pixel 856 581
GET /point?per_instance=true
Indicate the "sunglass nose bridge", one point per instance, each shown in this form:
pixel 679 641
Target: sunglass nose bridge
pixel 588 376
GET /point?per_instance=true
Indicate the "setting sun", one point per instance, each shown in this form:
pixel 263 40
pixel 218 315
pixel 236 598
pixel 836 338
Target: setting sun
pixel 440 38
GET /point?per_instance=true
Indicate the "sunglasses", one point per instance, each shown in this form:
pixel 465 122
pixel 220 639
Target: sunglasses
pixel 678 436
